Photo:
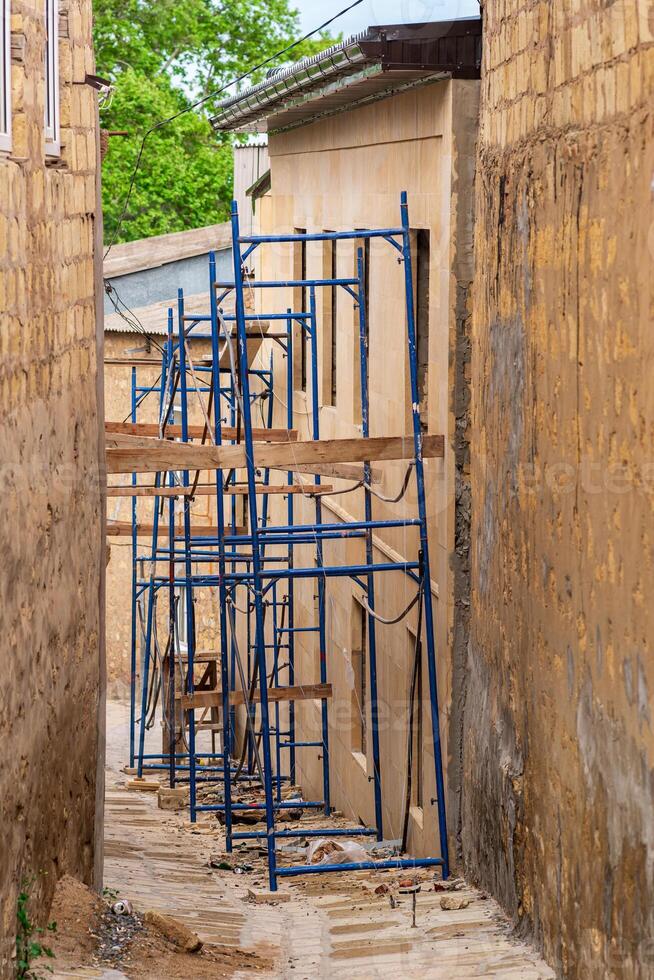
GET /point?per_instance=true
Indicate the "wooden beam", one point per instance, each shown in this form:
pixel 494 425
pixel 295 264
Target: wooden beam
pixel 280 489
pixel 214 699
pixel 338 471
pixel 134 361
pixel 211 491
pixel 151 430
pixel 178 456
pixel 123 529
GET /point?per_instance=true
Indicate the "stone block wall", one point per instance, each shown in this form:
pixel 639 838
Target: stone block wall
pixel 51 537
pixel 558 751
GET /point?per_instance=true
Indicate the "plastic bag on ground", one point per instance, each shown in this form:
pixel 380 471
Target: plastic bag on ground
pixel 324 850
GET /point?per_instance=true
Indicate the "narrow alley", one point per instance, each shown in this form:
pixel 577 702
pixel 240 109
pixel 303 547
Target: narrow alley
pixel 328 496
pixel 328 926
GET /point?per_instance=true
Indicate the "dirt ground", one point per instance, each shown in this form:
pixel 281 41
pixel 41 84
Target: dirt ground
pixel 90 934
pixel 341 926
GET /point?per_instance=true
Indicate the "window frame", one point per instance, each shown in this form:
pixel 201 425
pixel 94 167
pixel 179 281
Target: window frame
pixel 5 72
pixel 359 730
pixel 300 302
pixel 51 65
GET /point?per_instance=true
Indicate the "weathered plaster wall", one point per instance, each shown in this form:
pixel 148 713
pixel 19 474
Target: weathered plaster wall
pixel 558 752
pixel 51 537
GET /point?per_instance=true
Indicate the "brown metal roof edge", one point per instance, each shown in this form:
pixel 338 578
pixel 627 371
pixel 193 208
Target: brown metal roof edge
pixel 452 46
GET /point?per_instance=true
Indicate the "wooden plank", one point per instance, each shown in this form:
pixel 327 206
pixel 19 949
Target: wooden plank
pixel 177 456
pixel 281 489
pixel 133 361
pixel 211 491
pixel 338 471
pixel 151 430
pixel 123 529
pixel 214 699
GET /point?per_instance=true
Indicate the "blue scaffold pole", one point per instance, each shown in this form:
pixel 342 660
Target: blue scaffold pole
pixel 133 654
pixel 226 645
pixel 370 591
pixel 188 586
pixel 289 516
pixel 322 634
pixel 165 367
pixel 256 554
pixel 169 709
pixel 424 543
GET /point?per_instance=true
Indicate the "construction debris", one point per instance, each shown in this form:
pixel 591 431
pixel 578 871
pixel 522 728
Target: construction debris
pixel 174 930
pixel 452 903
pixel 263 897
pixel 172 799
pixel 145 785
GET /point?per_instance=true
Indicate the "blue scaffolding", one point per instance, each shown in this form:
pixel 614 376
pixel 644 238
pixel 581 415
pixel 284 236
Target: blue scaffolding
pixel 256 565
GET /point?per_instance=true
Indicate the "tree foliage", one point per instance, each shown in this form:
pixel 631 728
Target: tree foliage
pixel 161 56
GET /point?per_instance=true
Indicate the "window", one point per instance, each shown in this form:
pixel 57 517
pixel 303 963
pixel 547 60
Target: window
pixel 301 305
pixel 52 143
pixel 422 319
pixel 5 75
pixel 359 666
pixel 330 318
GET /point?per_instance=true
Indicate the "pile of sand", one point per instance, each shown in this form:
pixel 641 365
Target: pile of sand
pixel 87 929
pixel 77 910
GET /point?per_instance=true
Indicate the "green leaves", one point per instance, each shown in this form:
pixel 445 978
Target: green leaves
pixel 28 945
pixel 163 55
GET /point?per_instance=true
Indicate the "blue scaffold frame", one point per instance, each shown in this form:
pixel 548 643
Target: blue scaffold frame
pixel 252 583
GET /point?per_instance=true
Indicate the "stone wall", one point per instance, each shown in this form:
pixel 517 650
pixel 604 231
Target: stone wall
pixel 51 537
pixel 558 753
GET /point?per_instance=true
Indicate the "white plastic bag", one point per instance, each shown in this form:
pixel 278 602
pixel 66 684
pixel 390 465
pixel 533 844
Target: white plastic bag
pixel 326 850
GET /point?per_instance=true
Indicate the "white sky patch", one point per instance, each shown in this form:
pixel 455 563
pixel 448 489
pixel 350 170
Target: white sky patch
pixel 370 12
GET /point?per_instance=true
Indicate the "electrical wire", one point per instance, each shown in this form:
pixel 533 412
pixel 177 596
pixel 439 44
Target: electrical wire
pixel 207 98
pixel 127 314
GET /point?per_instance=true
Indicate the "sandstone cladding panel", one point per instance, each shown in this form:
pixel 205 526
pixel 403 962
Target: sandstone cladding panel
pixel 558 754
pixel 51 540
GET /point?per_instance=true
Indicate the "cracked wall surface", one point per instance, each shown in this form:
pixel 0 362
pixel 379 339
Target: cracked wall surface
pixel 51 536
pixel 558 751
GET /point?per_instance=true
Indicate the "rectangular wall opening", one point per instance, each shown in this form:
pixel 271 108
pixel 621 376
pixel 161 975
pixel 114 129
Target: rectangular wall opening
pixel 415 717
pixel 300 305
pixel 329 323
pixel 362 244
pixel 359 714
pixel 422 258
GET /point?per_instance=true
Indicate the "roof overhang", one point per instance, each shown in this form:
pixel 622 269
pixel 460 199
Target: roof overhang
pixel 377 63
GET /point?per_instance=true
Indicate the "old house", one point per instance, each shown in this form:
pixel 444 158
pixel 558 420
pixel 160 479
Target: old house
pixel 52 586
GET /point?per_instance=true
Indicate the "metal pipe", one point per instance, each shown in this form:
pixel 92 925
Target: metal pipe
pixel 370 591
pixel 424 542
pixel 312 869
pixel 254 530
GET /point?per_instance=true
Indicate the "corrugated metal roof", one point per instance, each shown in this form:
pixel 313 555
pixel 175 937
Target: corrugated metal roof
pixel 148 253
pixel 154 318
pixel 368 66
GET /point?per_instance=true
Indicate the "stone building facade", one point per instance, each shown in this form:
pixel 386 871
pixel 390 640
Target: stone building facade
pixel 51 537
pixel 559 749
